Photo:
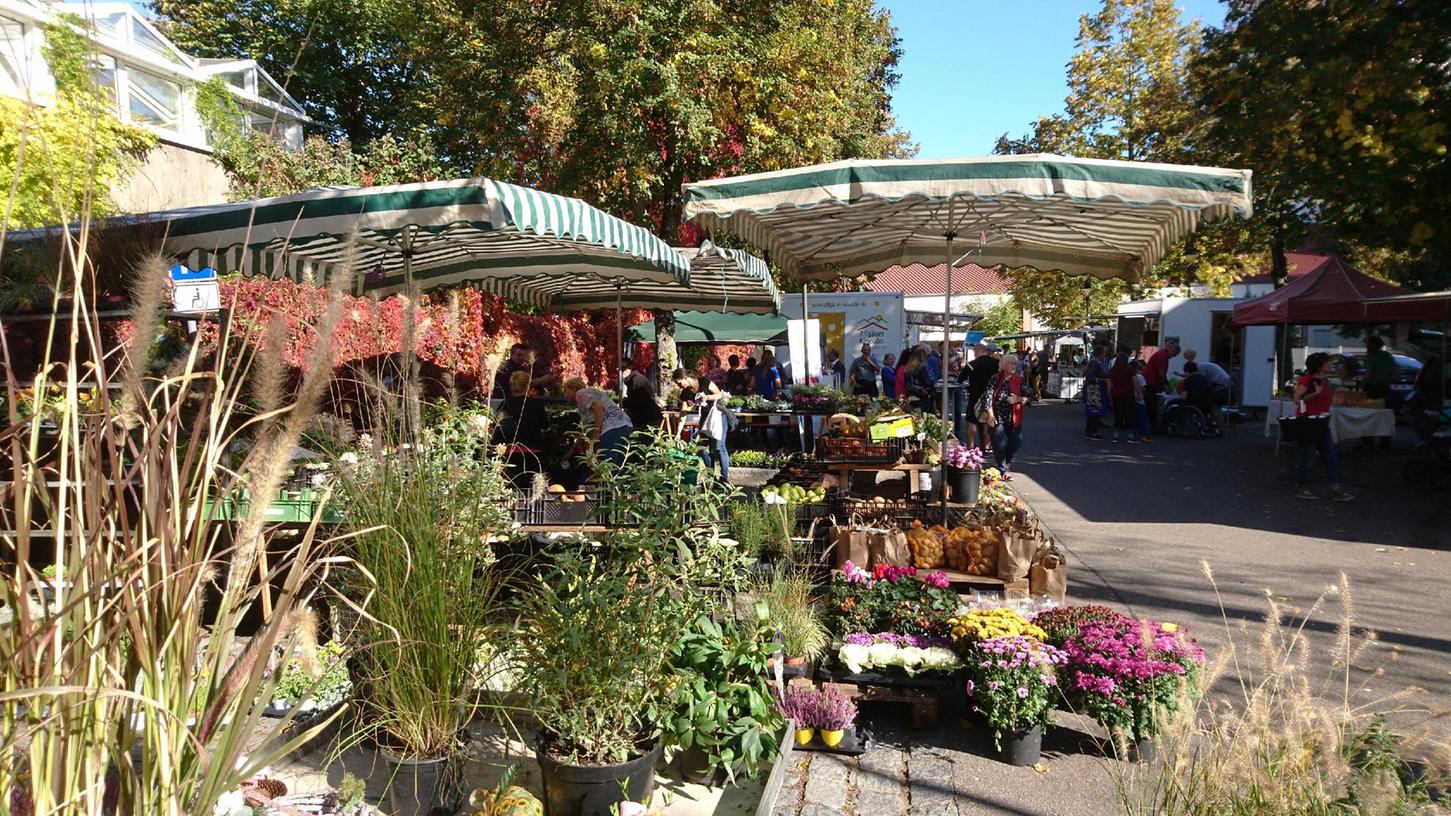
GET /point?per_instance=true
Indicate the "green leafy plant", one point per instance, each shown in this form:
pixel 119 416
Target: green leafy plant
pixel 1012 682
pixel 751 525
pixel 722 701
pixel 792 613
pixel 320 679
pixel 423 516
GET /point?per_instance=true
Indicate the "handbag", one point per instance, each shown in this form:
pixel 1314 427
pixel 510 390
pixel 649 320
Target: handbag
pixel 1304 428
pixel 982 411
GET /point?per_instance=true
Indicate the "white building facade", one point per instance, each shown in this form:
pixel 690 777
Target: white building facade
pixel 153 85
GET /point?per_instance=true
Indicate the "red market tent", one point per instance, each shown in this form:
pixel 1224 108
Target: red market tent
pixel 1334 293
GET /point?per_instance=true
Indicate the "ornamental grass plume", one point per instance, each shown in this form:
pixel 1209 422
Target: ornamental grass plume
pixel 1277 724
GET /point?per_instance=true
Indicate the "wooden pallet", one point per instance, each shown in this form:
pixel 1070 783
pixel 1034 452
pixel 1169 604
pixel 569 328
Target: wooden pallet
pixel 925 703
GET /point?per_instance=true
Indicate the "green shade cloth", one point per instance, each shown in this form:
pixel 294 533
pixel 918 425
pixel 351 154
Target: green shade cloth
pixel 714 327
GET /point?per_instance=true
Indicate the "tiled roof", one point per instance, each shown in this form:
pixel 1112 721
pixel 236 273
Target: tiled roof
pixel 917 279
pixel 1300 264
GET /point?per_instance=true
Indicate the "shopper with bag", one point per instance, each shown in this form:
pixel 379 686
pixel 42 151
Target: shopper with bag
pixel 1004 401
pixel 709 401
pixel 1095 392
pixel 1313 398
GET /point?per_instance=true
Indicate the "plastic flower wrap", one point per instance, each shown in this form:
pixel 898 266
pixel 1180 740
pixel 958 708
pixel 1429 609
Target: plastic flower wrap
pixel 982 624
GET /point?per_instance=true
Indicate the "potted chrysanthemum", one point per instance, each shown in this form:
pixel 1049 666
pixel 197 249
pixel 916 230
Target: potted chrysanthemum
pixel 1011 684
pixel 1127 674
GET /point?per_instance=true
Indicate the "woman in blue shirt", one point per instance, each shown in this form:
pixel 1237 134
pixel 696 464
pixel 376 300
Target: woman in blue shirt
pixel 889 376
pixel 768 377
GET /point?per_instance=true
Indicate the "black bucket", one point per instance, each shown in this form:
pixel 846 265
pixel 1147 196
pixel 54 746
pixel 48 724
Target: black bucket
pixel 424 787
pixel 1022 747
pixel 591 790
pixel 965 485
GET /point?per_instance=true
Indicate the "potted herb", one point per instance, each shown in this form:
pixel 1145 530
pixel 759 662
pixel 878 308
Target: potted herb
pixel 722 713
pixel 1127 675
pixel 1010 683
pixel 964 472
pixel 422 519
pixel 803 636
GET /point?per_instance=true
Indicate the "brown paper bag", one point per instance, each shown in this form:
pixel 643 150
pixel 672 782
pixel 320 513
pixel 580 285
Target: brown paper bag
pixel 850 544
pixel 1015 557
pixel 1049 574
pixel 889 547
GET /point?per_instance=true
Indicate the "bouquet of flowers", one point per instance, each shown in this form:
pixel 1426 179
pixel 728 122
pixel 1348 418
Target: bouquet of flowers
pixel 1011 681
pixel 985 624
pixel 962 457
pixel 1062 623
pixel 1125 673
pixel 910 653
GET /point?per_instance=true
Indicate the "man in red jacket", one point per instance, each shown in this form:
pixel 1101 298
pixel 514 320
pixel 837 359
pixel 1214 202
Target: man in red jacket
pixel 1156 372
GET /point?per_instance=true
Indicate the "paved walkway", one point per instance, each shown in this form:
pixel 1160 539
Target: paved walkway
pixel 1137 521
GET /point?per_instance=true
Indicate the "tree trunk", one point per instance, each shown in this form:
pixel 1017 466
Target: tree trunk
pixel 667 356
pixel 1279 267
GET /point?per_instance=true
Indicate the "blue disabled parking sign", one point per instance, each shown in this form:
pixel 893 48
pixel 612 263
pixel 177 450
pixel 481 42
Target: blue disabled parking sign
pixel 194 291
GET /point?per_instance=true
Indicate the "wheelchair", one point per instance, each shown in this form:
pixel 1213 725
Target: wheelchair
pixel 1191 422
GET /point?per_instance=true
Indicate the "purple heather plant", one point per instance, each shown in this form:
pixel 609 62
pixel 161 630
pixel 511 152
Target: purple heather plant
pixel 833 710
pixel 798 704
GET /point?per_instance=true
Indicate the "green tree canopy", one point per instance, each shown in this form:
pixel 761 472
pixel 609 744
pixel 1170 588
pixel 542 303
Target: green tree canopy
pixel 1343 110
pixel 1001 318
pixel 347 62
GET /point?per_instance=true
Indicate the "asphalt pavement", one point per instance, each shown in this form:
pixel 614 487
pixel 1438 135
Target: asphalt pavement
pixel 1139 521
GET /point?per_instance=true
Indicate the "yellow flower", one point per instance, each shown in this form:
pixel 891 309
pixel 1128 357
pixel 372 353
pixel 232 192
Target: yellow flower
pixel 1170 627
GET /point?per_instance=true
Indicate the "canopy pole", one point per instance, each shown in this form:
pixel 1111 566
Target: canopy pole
pixel 947 347
pixel 805 316
pixel 619 339
pixel 411 398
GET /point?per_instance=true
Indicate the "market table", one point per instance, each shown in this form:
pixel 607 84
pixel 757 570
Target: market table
pixel 1345 422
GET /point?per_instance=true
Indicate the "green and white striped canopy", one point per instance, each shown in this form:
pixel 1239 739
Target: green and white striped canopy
pixel 453 232
pixel 721 280
pixel 1108 219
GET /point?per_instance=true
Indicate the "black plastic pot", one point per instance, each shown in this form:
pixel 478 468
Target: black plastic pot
pixel 965 485
pixel 1022 747
pixel 591 790
pixel 425 787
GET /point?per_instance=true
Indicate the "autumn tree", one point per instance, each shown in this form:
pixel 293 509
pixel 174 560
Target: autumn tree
pixel 1343 109
pixel 1001 318
pixel 1128 100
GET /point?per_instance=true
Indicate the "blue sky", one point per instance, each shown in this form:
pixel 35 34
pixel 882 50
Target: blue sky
pixel 974 69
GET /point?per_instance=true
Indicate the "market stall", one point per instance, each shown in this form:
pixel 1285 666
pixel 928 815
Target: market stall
pixel 1102 218
pixel 1346 421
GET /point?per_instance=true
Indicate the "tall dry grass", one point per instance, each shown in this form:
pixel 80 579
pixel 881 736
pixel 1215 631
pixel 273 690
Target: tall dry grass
pixel 1280 725
pixel 125 688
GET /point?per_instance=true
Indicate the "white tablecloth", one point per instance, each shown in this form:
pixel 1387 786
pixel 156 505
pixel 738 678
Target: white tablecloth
pixel 1345 422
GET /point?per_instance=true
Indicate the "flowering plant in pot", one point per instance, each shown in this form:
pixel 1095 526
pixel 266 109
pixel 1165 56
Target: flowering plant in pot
pixel 1011 684
pixel 831 714
pixel 889 599
pixel 1127 673
pixel 984 624
pixel 1063 622
pixel 798 706
pixel 964 471
pixel 886 651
